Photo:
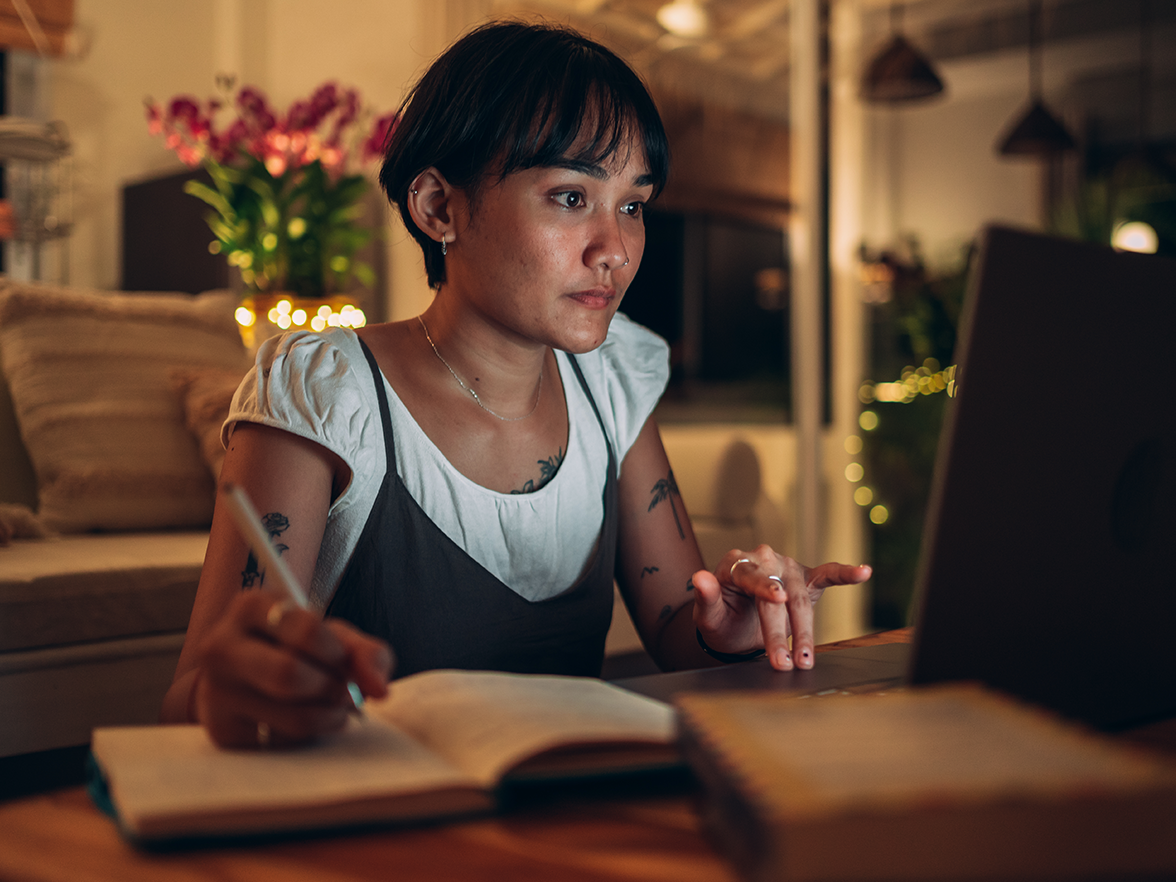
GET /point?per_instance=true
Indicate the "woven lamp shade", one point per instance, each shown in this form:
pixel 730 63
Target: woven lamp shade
pixel 899 73
pixel 1037 133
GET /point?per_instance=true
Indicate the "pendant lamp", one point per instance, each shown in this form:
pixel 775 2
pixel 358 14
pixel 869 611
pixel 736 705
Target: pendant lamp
pixel 899 72
pixel 1037 132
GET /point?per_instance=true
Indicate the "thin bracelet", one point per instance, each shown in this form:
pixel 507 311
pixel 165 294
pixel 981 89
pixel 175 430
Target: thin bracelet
pixel 727 657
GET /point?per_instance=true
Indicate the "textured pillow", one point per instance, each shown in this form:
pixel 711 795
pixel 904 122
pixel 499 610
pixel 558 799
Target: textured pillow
pixel 205 395
pixel 89 376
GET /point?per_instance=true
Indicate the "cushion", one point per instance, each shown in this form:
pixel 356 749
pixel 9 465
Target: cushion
pixel 205 395
pixel 18 483
pixel 89 374
pixel 76 589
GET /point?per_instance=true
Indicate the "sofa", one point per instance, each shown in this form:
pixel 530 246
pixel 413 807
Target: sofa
pixel 110 410
pixel 106 401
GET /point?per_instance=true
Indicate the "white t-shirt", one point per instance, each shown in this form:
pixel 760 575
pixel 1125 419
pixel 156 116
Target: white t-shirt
pixel 319 386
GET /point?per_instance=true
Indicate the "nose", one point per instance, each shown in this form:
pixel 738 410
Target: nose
pixel 609 248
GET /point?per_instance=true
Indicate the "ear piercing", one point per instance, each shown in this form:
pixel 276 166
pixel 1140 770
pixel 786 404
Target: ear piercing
pixel 444 248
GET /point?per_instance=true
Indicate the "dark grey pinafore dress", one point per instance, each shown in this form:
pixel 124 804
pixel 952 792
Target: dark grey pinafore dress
pixel 437 607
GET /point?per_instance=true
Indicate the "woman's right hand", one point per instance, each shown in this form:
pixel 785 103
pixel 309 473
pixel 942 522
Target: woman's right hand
pixel 270 673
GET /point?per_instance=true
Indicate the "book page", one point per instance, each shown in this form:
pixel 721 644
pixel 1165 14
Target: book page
pixel 487 722
pixel 155 771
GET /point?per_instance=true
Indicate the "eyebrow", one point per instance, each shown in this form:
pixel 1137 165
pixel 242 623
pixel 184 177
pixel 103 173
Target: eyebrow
pixel 598 171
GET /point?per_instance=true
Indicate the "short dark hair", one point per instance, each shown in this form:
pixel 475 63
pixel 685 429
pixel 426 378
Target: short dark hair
pixel 509 96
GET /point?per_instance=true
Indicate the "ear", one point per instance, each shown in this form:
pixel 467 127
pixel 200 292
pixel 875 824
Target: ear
pixel 431 203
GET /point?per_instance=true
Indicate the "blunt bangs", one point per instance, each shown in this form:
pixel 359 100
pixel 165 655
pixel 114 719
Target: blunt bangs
pixel 578 112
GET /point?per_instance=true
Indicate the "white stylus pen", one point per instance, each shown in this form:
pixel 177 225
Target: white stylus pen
pixel 278 574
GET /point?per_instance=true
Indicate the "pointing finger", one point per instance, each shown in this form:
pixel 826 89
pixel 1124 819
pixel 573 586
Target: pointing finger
pixel 774 626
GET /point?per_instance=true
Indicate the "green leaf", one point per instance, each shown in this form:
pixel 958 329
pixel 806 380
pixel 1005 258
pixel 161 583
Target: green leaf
pixel 212 197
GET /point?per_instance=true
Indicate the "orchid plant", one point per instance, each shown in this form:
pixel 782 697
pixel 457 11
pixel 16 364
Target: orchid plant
pixel 286 189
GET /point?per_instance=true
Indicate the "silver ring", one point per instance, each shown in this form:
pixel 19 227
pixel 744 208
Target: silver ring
pixel 741 560
pixel 777 580
pixel 277 612
pixel 263 734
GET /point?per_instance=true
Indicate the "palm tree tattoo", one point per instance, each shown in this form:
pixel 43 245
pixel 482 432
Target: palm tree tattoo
pixel 667 488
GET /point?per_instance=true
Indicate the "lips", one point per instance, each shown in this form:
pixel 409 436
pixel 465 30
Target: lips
pixel 595 298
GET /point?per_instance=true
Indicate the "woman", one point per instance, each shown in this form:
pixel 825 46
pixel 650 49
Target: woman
pixel 463 485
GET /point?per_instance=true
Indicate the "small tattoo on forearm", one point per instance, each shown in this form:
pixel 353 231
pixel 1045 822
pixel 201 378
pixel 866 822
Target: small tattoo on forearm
pixel 547 469
pixel 275 524
pixel 647 570
pixel 250 577
pixel 665 612
pixel 689 584
pixel 667 488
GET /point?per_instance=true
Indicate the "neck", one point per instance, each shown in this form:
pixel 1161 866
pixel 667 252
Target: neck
pixel 500 372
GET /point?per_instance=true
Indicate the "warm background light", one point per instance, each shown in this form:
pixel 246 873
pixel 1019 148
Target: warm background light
pixel 1135 236
pixel 285 316
pixel 683 18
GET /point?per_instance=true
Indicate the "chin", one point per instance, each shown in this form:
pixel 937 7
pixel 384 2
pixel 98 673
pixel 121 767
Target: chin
pixel 582 350
pixel 586 338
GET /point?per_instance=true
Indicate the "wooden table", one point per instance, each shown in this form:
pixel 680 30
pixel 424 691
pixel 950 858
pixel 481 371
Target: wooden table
pixel 582 834
pixel 62 837
pixel 645 831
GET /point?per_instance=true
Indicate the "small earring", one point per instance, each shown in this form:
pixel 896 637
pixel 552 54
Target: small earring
pixel 413 191
pixel 444 250
pixel 626 263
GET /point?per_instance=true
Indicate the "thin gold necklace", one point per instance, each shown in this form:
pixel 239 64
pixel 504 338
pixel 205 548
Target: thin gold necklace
pixel 477 400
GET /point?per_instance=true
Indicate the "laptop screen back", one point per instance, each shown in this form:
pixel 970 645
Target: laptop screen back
pixel 1049 559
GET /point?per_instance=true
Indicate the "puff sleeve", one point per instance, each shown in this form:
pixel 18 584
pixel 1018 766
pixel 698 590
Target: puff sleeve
pixel 307 384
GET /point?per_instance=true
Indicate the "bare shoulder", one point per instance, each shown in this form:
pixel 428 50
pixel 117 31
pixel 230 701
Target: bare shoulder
pixel 392 345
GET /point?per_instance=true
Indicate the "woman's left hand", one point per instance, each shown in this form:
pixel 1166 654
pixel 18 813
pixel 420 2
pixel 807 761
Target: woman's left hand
pixel 757 598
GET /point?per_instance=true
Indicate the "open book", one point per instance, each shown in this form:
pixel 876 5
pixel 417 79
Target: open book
pixel 437 746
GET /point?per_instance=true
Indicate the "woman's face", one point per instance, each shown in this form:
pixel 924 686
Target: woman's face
pixel 548 253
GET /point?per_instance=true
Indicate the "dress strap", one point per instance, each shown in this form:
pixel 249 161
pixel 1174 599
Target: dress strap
pixel 385 413
pixel 612 460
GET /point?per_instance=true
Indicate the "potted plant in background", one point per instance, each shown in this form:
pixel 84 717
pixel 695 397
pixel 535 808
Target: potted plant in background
pixel 914 315
pixel 286 195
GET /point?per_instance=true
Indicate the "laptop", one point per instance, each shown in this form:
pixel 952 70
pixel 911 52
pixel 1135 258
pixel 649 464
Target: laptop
pixel 1048 566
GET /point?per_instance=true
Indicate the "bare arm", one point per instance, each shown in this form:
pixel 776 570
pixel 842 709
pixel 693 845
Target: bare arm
pixel 245 661
pixel 658 555
pixel 753 599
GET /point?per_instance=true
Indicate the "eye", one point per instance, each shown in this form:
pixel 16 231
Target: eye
pixel 570 199
pixel 634 209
